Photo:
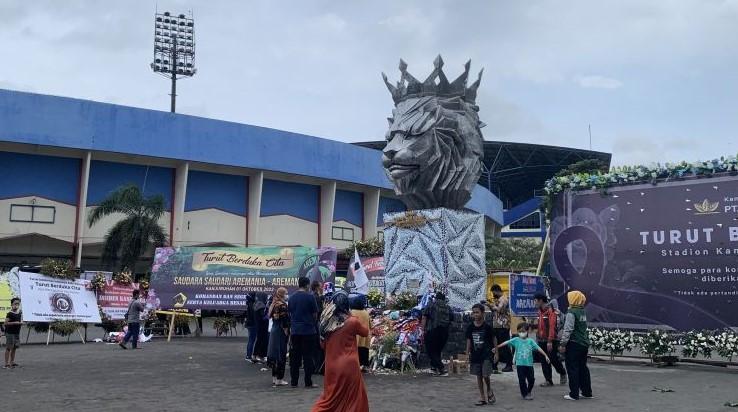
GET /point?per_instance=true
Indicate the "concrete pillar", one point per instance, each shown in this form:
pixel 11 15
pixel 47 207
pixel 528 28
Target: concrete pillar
pixel 256 182
pixel 327 204
pixel 180 194
pixel 84 183
pixel 371 210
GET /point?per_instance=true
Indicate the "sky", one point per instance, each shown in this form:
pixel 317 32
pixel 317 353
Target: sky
pixel 657 80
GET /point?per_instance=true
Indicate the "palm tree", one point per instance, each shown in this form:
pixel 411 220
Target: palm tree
pixel 137 232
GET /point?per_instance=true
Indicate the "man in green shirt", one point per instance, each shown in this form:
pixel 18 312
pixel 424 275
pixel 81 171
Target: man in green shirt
pixel 574 344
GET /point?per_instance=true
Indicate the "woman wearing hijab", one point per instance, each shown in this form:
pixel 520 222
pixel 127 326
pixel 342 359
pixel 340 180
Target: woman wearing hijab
pixel 278 336
pixel 262 327
pixel 574 344
pixel 344 389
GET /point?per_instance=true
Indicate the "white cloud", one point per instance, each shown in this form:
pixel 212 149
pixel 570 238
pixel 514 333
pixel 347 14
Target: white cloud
pixel 598 82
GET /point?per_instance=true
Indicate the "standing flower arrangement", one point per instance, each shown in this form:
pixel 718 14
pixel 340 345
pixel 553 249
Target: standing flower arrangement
pixel 698 343
pixel 61 268
pixel 124 277
pixel 597 339
pixel 657 343
pixel 616 342
pixel 98 282
pixel 726 343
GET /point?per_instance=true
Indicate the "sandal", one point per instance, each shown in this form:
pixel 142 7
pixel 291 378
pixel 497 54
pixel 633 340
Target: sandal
pixel 480 403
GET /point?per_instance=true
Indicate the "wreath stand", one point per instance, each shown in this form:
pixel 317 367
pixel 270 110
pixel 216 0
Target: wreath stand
pixel 48 335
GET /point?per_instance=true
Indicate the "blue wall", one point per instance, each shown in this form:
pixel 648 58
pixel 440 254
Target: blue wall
pixel 286 198
pixel 219 191
pixel 105 177
pixel 389 205
pixel 55 178
pixel 349 207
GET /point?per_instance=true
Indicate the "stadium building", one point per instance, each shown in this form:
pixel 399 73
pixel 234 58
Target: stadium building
pixel 223 183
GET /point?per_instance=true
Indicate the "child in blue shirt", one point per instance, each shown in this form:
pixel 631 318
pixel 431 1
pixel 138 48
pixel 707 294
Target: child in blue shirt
pixel 524 347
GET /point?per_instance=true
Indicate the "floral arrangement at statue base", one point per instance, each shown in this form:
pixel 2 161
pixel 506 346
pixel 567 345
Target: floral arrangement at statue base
pixel 395 343
pixel 375 298
pixel 405 301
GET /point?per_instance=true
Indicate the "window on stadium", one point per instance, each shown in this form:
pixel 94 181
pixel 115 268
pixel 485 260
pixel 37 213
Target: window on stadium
pixel 343 233
pixel 32 214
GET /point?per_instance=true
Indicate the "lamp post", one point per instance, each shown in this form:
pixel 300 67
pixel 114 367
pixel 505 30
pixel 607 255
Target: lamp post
pixel 174 49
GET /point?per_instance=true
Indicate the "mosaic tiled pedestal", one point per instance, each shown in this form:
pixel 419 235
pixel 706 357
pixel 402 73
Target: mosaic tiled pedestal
pixel 439 248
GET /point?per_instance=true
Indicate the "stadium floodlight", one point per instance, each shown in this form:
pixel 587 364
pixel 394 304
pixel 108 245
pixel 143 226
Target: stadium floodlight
pixel 174 48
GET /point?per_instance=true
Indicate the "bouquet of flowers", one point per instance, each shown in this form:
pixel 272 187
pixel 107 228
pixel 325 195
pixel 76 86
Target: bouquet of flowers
pixel 405 301
pixel 657 343
pixel 726 344
pixel 98 282
pixel 375 298
pixel 698 343
pixel 125 277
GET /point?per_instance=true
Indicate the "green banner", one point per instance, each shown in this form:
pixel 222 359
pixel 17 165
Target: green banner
pixel 223 277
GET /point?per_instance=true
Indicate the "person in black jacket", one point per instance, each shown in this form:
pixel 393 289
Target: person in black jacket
pixel 317 288
pixel 250 324
pixel 262 328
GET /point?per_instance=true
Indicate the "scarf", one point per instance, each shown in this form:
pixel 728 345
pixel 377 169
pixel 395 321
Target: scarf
pixel 576 298
pixel 334 315
pixel 278 300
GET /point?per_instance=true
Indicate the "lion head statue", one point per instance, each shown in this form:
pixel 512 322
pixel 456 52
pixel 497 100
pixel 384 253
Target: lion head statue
pixel 434 145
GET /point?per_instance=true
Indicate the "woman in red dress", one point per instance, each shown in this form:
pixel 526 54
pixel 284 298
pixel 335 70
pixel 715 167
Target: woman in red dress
pixel 343 386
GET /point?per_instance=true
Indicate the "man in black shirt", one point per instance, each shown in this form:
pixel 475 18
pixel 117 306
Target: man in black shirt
pixel 13 322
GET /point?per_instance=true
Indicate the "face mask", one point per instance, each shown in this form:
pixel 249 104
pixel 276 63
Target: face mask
pixel 523 335
pixel 286 298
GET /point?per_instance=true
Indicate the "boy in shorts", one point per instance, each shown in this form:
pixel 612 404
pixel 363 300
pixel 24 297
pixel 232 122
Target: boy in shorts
pixel 479 344
pixel 13 322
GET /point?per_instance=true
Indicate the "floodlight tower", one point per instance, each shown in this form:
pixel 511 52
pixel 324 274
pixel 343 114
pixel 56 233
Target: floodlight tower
pixel 174 48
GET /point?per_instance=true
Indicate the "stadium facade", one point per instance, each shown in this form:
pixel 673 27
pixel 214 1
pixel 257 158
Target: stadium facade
pixel 223 183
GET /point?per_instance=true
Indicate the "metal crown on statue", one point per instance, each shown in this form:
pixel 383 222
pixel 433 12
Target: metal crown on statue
pixel 434 143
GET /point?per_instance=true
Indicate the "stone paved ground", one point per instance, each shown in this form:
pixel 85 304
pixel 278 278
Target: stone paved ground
pixel 209 374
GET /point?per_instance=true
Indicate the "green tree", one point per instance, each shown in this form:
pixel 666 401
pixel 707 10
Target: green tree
pixel 513 254
pixel 584 166
pixel 137 232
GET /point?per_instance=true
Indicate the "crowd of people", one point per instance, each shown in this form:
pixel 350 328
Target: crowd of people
pixel 332 337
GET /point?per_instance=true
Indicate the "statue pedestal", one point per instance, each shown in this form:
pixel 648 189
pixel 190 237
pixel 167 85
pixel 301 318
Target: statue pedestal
pixel 441 248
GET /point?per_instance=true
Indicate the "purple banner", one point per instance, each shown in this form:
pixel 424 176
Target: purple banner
pixel 662 254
